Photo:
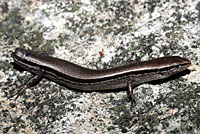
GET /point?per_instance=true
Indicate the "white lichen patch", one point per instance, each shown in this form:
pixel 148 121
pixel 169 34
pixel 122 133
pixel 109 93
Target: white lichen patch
pixel 194 76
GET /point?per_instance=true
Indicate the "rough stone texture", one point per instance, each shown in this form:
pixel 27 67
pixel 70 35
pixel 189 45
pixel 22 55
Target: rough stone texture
pixel 78 31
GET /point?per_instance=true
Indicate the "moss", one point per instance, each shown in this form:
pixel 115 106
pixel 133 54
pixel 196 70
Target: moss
pixel 37 37
pixel 101 20
pixel 4 7
pixel 109 30
pixel 15 17
pixel 151 4
pixel 122 118
pixel 188 16
pixel 75 7
pixel 48 47
pixel 10 27
pixel 136 2
pixel 29 2
pixel 198 6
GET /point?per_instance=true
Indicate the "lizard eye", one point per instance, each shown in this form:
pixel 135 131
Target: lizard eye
pixel 26 54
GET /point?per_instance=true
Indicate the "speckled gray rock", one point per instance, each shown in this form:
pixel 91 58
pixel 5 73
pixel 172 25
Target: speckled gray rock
pixel 123 30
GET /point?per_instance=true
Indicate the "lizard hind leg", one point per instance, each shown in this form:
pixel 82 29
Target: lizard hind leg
pixel 131 91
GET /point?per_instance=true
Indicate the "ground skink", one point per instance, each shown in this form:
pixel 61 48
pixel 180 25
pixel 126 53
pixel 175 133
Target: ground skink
pixel 74 76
